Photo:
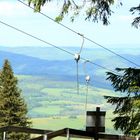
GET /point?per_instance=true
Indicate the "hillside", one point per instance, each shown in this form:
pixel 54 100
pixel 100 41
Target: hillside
pixel 64 70
pixel 43 61
pixel 48 82
pixel 43 93
pixel 56 101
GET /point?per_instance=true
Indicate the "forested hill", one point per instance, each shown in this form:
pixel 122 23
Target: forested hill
pixel 23 64
pixel 48 78
pixel 64 70
pixel 60 66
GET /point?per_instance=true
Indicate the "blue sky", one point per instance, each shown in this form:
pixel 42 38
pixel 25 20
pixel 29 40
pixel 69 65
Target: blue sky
pixel 14 13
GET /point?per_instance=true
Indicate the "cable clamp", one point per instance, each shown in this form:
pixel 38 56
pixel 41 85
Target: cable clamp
pixel 87 78
pixel 80 34
pixel 77 57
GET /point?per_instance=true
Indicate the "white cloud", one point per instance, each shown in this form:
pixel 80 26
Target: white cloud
pixel 16 9
pixel 13 9
pixel 6 8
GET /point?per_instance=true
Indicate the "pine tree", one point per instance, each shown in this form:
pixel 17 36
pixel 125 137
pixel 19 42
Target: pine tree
pixel 127 107
pixel 13 110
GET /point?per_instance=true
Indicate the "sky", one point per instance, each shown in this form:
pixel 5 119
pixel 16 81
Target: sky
pixel 16 14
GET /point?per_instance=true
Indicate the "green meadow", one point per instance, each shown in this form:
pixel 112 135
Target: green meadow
pixel 54 104
pixel 56 123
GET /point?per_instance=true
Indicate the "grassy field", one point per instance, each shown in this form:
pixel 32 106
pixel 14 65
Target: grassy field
pixel 48 97
pixel 55 104
pixel 56 123
pixel 76 122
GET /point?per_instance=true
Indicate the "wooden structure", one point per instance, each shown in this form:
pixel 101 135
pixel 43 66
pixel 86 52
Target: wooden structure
pixel 95 125
pixel 95 121
pixel 66 132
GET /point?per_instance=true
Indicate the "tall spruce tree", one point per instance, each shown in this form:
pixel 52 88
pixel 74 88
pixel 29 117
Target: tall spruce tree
pixel 13 110
pixel 128 106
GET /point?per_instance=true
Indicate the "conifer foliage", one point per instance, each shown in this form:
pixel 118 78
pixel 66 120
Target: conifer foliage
pixel 95 10
pixel 127 106
pixel 13 110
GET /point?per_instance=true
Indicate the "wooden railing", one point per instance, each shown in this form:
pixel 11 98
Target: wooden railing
pixel 22 129
pixel 66 132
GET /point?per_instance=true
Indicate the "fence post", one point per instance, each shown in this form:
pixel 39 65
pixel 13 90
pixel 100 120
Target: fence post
pixel 45 137
pixel 4 135
pixel 68 134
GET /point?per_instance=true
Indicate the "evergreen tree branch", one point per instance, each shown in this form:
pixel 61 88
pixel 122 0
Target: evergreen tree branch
pixel 127 108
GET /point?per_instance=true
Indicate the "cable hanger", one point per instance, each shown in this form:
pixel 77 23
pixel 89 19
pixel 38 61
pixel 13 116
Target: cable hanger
pixel 77 58
pixel 77 55
pixel 82 43
pixel 87 79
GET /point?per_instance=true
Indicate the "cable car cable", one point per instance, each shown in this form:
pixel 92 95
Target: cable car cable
pixel 41 40
pixel 80 35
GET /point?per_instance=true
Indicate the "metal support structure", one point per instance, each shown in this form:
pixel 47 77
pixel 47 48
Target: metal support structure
pixel 77 58
pixel 97 122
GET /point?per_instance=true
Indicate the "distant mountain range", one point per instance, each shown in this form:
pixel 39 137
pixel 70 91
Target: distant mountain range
pixel 23 64
pixel 54 63
pixel 92 53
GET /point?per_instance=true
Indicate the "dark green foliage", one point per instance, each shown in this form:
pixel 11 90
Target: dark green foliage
pixel 13 109
pixel 95 10
pixel 128 80
pixel 100 10
pixel 127 107
pixel 38 3
pixel 136 21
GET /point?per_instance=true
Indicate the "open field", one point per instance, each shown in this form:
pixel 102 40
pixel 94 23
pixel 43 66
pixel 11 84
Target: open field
pixel 48 97
pixel 49 89
pixel 56 123
pixel 54 104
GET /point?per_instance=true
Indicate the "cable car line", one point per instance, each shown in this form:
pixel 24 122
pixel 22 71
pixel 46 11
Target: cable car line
pixel 41 40
pixel 105 48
